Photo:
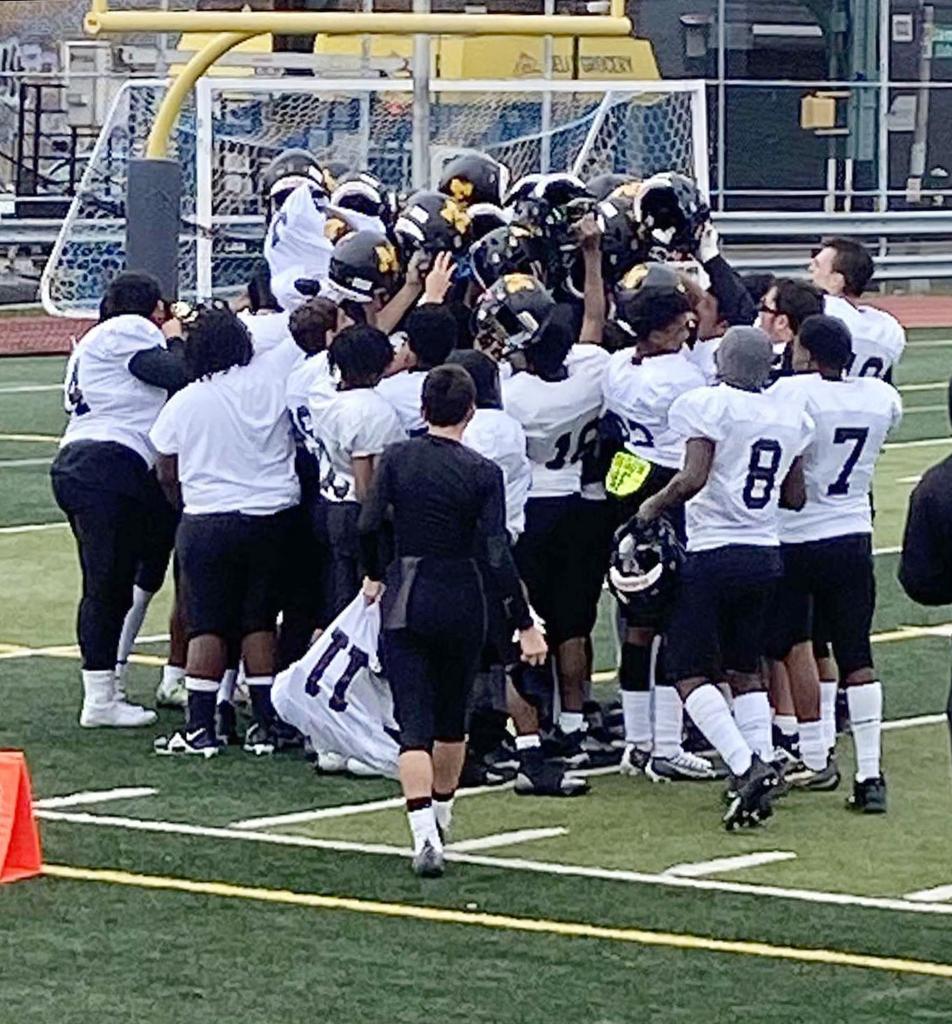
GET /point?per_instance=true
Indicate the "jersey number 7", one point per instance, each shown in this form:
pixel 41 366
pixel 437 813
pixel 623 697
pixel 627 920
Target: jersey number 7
pixel 848 435
pixel 356 660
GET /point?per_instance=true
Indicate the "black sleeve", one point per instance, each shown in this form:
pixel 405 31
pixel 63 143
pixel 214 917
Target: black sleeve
pixel 160 367
pixel 925 566
pixel 492 530
pixel 372 515
pixel 733 300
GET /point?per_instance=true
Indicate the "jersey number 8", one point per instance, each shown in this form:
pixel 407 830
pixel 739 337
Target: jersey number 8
pixel 765 456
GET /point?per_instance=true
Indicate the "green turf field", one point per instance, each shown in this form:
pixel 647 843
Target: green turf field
pixel 182 898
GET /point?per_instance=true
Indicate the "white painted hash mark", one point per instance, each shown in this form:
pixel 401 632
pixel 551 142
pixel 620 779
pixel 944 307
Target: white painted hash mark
pixel 940 892
pixel 522 835
pixel 95 796
pixel 720 865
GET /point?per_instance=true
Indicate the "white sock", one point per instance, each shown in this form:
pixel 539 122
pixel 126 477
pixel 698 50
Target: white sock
pixel 866 719
pixel 752 714
pixel 131 625
pixel 636 707
pixel 787 724
pixel 423 827
pixel 529 741
pixel 98 687
pixel 226 688
pixel 571 721
pixel 828 690
pixel 668 721
pixel 172 674
pixel 196 685
pixel 813 749
pixel 706 705
pixel 443 813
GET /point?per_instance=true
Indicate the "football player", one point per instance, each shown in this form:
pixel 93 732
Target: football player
pixel 556 395
pixel 741 454
pixel 787 303
pixel 827 556
pixel 843 269
pixel 639 387
pixel 226 439
pixel 117 379
pixel 350 425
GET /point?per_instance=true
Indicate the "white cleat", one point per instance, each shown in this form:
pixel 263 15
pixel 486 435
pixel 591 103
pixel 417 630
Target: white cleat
pixel 330 763
pixel 116 715
pixel 171 693
pixel 634 761
pixel 361 770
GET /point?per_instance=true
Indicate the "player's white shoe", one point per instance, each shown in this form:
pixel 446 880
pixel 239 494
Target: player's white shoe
pixel 116 715
pixel 171 693
pixel 330 763
pixel 361 770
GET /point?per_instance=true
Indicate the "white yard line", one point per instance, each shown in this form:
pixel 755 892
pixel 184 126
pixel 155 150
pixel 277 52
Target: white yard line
pixel 887 551
pixel 26 389
pixel 503 863
pixel 908 410
pixel 931 386
pixel 926 442
pixel 19 463
pixel 939 893
pixel 33 527
pixel 720 865
pixel 39 438
pixel 94 796
pixel 932 343
pixel 72 650
pixel 523 835
pixel 913 723
pixel 907 480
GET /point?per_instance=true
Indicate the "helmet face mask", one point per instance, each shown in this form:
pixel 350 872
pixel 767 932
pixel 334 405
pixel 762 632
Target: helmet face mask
pixel 511 315
pixel 288 171
pixel 672 214
pixel 365 194
pixel 645 565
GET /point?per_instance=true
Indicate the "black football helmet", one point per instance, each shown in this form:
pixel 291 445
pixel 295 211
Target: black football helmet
pixel 648 297
pixel 604 185
pixel 512 314
pixel 645 565
pixel 286 172
pixel 672 213
pixel 434 223
pixel 483 218
pixel 621 245
pixel 364 264
pixel 502 251
pixel 363 193
pixel 472 178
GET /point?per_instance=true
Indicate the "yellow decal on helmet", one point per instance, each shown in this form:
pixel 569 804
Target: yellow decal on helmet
pixel 634 277
pixel 386 258
pixel 454 214
pixel 629 189
pixel 335 228
pixel 461 190
pixel 519 283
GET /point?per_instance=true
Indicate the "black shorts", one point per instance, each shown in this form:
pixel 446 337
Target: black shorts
pixel 829 581
pixel 432 661
pixel 719 618
pixel 596 528
pixel 553 559
pixel 334 524
pixel 159 527
pixel 231 571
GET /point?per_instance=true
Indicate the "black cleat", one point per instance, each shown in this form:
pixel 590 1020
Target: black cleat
pixel 226 725
pixel 753 794
pixel 478 773
pixel 566 747
pixel 869 796
pixel 822 781
pixel 428 863
pixel 538 777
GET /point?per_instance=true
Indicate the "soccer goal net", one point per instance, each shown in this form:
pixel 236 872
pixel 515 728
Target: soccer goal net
pixel 231 129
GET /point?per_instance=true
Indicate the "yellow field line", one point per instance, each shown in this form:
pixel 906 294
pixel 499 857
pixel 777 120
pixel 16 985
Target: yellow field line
pixel 504 922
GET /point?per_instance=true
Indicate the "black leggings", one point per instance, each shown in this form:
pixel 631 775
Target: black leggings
pixel 432 661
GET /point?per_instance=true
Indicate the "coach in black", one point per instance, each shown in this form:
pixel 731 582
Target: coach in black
pixel 449 520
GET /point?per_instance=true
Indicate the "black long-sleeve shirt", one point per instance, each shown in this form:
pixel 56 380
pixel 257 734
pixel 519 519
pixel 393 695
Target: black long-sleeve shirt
pixel 733 300
pixel 925 567
pixel 447 502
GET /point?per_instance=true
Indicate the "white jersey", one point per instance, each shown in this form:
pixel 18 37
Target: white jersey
pixel 266 329
pixel 499 438
pixel 312 373
pixel 878 337
pixel 233 439
pixel 560 419
pixel 104 401
pixel 756 438
pixel 295 245
pixel 637 397
pixel 404 391
pixel 334 696
pixel 347 425
pixel 704 356
pixel 852 420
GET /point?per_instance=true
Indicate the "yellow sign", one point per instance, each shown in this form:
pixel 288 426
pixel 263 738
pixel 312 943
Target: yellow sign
pixel 626 475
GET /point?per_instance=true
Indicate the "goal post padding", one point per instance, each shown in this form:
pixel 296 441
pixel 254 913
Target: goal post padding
pixel 230 129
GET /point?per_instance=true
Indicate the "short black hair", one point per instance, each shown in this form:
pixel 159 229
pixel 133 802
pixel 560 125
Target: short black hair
pixel 758 284
pixel 485 374
pixel 448 395
pixel 311 322
pixel 216 340
pixel 131 292
pixel 828 340
pixel 797 299
pixel 853 262
pixel 260 295
pixel 361 353
pixel 547 351
pixel 431 334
